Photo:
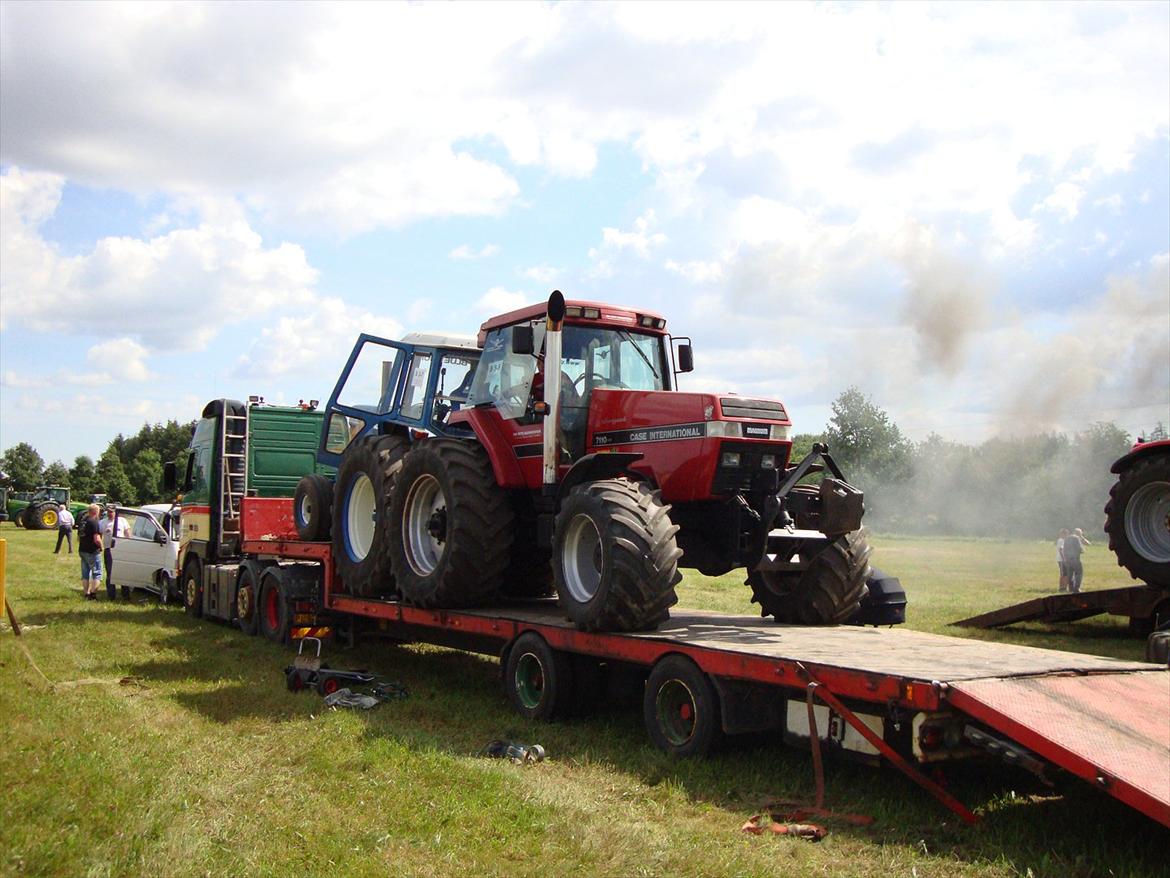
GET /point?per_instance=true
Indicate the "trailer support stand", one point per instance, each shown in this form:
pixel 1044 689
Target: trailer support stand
pixel 818 690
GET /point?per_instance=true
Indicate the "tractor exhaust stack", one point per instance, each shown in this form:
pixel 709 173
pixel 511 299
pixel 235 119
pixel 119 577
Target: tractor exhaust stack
pixel 552 385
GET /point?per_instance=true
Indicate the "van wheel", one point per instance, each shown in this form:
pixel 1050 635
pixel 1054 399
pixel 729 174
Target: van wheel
pixel 681 708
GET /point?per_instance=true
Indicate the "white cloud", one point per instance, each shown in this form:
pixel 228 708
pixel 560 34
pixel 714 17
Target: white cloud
pixel 696 271
pixel 1065 201
pixel 23 382
pixel 465 251
pixel 123 359
pixel 174 291
pixel 641 240
pixel 543 274
pixel 498 300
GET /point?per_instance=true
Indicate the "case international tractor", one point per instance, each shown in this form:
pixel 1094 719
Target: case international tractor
pixel 568 460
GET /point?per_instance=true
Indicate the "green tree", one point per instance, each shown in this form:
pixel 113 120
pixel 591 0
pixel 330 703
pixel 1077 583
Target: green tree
pixel 802 444
pixel 145 474
pixel 865 442
pixel 56 473
pixel 110 478
pixel 81 476
pixel 23 466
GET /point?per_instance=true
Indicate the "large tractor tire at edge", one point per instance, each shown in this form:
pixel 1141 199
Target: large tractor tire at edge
pixel 362 537
pixel 1137 519
pixel 457 526
pixel 615 559
pixel 827 593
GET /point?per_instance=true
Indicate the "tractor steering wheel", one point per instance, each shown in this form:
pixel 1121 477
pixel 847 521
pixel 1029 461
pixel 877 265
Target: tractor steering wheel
pixel 601 381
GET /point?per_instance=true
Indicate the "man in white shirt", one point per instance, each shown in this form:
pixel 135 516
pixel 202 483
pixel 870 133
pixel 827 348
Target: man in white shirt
pixel 64 528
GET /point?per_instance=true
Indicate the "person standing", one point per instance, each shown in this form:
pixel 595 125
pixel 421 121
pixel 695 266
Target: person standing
pixel 64 528
pixel 1074 545
pixel 107 528
pixel 89 549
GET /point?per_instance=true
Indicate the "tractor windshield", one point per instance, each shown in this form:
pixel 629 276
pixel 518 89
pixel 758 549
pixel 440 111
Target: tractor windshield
pixel 593 357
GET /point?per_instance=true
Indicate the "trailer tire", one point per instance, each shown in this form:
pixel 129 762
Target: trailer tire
pixel 827 593
pixel 456 531
pixel 681 708
pixel 327 684
pixel 313 508
pixel 193 588
pixel 362 535
pixel 246 611
pixel 615 560
pixel 275 616
pixel 538 679
pixel 1136 518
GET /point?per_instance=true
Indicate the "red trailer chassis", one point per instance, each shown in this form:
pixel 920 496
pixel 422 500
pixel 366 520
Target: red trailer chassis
pixel 1104 720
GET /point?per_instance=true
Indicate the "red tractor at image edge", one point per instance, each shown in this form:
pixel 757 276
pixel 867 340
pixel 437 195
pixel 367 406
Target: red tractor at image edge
pixel 1137 516
pixel 571 462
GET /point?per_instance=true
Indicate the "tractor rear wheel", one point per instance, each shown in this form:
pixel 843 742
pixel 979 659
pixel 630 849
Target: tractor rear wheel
pixel 827 593
pixel 1137 519
pixel 362 535
pixel 615 560
pixel 456 526
pixel 313 508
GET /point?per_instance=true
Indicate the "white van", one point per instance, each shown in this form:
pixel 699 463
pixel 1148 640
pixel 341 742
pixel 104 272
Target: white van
pixel 146 549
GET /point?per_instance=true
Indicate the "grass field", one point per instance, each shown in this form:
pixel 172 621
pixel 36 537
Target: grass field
pixel 168 746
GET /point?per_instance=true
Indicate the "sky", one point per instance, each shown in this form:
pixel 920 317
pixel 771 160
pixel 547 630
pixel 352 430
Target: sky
pixel 961 209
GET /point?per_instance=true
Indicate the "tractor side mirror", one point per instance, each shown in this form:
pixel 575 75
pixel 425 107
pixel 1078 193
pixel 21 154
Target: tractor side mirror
pixel 170 474
pixel 686 358
pixel 522 339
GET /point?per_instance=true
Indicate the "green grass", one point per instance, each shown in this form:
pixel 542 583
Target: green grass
pixel 171 747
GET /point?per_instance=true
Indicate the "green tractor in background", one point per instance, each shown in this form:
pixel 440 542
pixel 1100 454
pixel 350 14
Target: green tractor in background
pixel 38 510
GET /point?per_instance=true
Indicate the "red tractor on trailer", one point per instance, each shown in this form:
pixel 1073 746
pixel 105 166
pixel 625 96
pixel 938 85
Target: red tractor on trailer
pixel 605 478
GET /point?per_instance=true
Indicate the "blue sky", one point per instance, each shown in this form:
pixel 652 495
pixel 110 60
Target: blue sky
pixel 963 209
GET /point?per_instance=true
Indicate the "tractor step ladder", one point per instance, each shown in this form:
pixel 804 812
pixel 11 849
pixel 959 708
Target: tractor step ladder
pixel 233 481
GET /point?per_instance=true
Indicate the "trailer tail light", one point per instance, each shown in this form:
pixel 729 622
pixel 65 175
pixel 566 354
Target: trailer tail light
pixel 940 736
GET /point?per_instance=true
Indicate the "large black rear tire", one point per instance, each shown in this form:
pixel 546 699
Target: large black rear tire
pixel 615 560
pixel 313 508
pixel 827 593
pixel 362 535
pixel 456 526
pixel 1137 519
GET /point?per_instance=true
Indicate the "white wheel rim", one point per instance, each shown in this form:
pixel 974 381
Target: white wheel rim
pixel 361 517
pixel 1147 522
pixel 423 506
pixel 581 559
pixel 306 509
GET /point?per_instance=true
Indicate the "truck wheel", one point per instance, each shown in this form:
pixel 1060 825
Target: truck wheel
pixel 615 561
pixel 537 678
pixel 313 508
pixel 362 536
pixel 193 588
pixel 827 593
pixel 1137 519
pixel 248 598
pixel 456 531
pixel 681 708
pixel 275 613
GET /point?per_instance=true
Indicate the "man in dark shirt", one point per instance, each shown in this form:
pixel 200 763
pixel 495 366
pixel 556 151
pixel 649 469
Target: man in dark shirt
pixel 1074 545
pixel 89 547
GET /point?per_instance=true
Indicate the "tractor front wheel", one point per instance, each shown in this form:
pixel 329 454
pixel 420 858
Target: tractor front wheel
pixel 615 560
pixel 456 526
pixel 1137 519
pixel 828 592
pixel 313 508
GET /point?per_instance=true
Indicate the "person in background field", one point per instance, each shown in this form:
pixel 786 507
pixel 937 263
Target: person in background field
pixel 107 527
pixel 1060 558
pixel 89 548
pixel 1074 545
pixel 64 528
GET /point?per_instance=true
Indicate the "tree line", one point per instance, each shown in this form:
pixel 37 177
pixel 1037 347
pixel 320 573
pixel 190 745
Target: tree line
pixel 129 470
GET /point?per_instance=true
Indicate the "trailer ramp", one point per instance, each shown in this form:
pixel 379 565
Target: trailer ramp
pixel 1074 721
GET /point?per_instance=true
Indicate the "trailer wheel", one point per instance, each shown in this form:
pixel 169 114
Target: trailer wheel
pixel 193 588
pixel 827 593
pixel 275 613
pixel 248 599
pixel 537 678
pixel 294 681
pixel 456 526
pixel 681 708
pixel 615 561
pixel 327 684
pixel 313 508
pixel 1137 519
pixel 362 536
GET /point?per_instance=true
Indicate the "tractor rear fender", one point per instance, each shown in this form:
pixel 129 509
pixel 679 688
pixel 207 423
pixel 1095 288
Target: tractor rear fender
pixel 490 432
pixel 1140 452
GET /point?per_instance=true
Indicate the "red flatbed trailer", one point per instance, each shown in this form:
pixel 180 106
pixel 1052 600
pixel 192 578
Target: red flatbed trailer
pixel 1104 720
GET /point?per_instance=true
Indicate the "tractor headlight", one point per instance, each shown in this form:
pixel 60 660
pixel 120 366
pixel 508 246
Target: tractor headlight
pixel 768 461
pixel 729 459
pixel 726 429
